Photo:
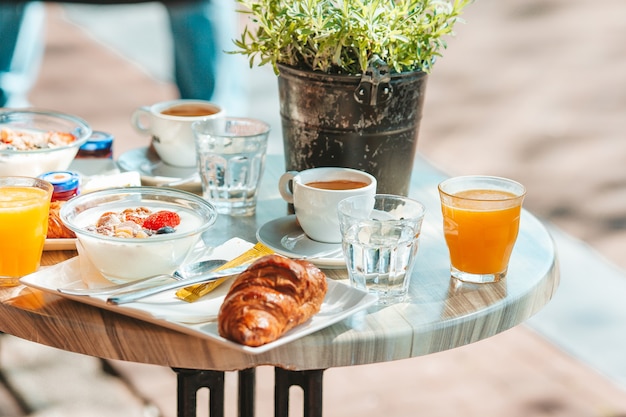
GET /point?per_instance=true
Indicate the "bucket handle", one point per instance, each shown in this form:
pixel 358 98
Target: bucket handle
pixel 375 86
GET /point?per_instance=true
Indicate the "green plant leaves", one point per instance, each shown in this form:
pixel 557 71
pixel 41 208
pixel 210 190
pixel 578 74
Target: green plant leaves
pixel 340 36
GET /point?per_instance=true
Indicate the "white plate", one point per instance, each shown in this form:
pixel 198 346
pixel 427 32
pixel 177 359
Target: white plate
pixel 199 318
pixel 153 171
pixel 284 236
pixel 60 244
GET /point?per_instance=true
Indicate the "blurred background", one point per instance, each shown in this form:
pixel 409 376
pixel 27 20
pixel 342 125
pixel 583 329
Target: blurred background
pixel 531 90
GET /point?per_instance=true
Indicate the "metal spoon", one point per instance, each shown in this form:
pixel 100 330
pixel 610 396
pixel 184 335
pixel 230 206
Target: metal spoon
pixel 131 296
pixel 185 272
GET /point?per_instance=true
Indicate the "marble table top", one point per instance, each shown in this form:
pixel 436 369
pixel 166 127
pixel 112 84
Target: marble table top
pixel 440 312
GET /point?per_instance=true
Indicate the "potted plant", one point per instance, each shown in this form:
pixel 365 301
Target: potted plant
pixel 352 76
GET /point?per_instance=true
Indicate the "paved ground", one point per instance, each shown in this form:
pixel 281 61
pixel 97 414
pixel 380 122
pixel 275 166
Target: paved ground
pixel 527 82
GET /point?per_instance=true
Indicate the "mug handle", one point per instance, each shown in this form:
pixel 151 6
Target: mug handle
pixel 138 119
pixel 285 186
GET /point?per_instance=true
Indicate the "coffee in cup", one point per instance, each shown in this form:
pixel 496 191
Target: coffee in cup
pixel 190 110
pixel 337 184
pixel 315 194
pixel 169 124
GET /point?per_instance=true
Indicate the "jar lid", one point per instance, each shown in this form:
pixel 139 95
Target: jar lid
pixel 98 141
pixel 62 181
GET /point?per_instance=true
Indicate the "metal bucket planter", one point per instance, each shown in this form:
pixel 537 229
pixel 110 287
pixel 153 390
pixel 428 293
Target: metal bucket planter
pixel 369 123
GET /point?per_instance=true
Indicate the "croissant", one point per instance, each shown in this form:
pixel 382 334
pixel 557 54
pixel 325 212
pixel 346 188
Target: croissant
pixel 56 228
pixel 272 296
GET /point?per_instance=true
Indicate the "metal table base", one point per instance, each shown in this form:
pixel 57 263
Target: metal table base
pixel 189 381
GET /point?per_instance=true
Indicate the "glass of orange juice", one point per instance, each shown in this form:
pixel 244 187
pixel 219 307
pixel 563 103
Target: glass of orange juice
pixel 481 216
pixel 24 206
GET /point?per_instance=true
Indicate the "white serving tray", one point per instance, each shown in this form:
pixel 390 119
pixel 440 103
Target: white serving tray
pixel 198 318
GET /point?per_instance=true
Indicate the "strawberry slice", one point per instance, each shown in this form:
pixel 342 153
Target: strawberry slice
pixel 161 219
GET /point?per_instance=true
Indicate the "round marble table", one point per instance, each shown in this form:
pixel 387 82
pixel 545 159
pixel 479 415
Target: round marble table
pixel 440 313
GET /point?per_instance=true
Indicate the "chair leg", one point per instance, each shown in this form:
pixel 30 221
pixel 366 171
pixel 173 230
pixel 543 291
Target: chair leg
pixel 311 382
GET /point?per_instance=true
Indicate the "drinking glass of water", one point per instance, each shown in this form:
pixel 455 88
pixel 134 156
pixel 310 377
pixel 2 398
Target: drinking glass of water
pixel 380 238
pixel 230 152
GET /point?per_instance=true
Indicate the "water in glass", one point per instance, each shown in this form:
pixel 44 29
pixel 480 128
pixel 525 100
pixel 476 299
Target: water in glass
pixel 379 258
pixel 230 177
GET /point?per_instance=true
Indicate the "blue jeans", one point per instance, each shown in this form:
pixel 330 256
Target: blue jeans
pixel 10 20
pixel 202 33
pixel 21 50
pixel 196 48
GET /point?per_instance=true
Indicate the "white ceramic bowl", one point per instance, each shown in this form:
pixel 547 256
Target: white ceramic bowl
pixel 32 163
pixel 126 259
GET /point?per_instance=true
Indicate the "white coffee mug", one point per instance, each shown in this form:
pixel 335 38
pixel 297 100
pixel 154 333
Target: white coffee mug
pixel 315 194
pixel 169 124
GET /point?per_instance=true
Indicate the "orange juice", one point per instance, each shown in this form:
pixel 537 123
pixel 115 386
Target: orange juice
pixel 23 226
pixel 480 227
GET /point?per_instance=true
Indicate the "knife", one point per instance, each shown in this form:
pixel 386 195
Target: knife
pixel 130 296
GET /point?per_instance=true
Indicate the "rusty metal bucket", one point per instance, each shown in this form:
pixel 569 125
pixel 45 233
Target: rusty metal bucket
pixel 369 123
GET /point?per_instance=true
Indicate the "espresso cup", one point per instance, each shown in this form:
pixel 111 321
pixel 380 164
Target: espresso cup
pixel 315 194
pixel 169 124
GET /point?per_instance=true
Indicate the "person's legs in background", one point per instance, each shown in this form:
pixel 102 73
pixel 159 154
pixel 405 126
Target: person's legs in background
pixel 21 50
pixel 11 15
pixel 202 32
pixel 196 48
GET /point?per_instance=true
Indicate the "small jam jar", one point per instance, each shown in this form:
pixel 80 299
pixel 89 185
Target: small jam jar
pixel 99 145
pixel 65 184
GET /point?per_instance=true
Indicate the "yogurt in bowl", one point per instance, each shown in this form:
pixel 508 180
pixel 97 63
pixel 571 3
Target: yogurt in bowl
pixel 120 247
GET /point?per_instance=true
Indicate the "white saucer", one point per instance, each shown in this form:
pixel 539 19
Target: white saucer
pixel 284 236
pixel 153 171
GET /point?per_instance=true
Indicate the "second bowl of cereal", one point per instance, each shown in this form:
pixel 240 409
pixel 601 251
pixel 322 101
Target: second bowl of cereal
pixel 135 232
pixel 33 142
